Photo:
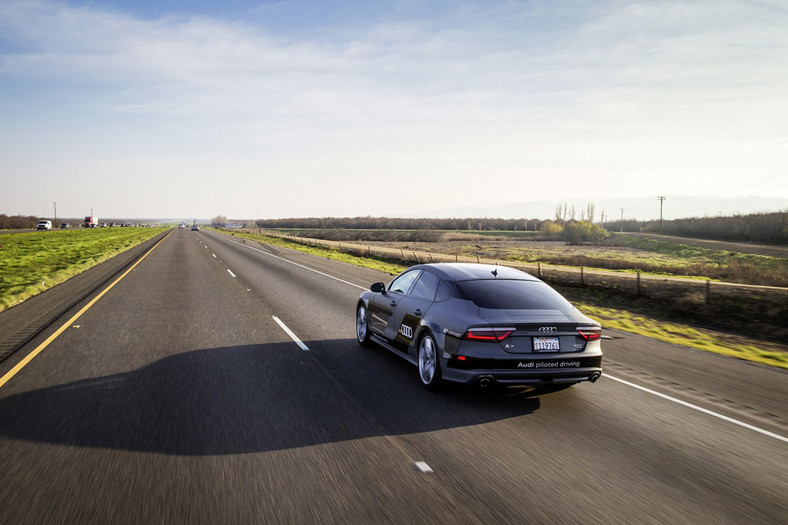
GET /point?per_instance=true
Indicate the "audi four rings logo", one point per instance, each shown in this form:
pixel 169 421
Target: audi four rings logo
pixel 546 329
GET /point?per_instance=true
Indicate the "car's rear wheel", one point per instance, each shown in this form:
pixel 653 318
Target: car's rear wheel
pixel 429 364
pixel 362 327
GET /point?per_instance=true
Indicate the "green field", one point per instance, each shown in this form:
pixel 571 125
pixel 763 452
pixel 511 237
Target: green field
pixel 33 262
pixel 684 259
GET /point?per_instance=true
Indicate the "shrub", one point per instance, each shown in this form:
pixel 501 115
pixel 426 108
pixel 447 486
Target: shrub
pixel 551 228
pixel 579 232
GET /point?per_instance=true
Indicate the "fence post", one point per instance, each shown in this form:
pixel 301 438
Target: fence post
pixel 708 292
pixel 456 258
pixel 477 259
pixel 431 259
pixel 403 254
pixel 582 277
pixel 638 285
pixel 416 257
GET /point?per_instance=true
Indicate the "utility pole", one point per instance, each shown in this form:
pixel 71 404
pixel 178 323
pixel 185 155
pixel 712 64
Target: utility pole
pixel 55 205
pixel 661 200
pixel 622 220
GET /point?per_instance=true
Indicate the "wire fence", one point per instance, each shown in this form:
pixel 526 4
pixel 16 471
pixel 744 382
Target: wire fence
pixel 636 283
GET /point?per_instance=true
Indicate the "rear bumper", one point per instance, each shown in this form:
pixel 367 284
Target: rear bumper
pixel 542 371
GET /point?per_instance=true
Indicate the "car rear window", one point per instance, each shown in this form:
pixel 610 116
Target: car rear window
pixel 513 295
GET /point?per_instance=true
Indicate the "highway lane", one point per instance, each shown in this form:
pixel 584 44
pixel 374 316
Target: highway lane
pixel 180 398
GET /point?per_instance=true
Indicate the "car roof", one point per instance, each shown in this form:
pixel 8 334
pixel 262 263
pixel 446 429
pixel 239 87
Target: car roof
pixel 473 271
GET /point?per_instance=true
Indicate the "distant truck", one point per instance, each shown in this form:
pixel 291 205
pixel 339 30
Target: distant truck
pixel 44 225
pixel 91 222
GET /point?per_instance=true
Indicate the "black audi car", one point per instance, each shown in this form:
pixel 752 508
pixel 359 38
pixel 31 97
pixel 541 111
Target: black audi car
pixel 482 324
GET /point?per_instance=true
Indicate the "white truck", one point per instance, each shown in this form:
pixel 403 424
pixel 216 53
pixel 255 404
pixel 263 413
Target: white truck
pixel 91 222
pixel 44 225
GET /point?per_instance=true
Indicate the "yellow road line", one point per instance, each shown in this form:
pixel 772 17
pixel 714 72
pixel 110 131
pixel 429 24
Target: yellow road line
pixel 40 348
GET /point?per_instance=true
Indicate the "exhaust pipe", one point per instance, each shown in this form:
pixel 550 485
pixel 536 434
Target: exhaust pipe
pixel 485 382
pixel 594 377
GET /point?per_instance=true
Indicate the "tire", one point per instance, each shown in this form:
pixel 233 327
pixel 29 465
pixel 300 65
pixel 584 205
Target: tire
pixel 362 327
pixel 429 363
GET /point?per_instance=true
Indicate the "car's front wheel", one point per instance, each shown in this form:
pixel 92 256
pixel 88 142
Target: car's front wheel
pixel 362 327
pixel 429 364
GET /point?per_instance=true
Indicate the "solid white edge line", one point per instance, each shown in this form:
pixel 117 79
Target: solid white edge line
pixel 699 409
pixel 231 273
pixel 291 334
pixel 689 405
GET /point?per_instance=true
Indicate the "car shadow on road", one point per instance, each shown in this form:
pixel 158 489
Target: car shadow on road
pixel 247 399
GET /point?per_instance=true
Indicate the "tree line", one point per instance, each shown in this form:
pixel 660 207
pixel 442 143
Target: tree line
pixel 764 228
pixel 394 223
pixel 17 222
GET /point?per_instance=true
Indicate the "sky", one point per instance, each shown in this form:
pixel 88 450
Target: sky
pixel 301 108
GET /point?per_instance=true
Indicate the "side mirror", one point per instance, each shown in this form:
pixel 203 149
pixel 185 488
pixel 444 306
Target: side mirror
pixel 378 288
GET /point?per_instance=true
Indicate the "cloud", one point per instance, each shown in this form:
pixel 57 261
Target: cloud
pixel 438 95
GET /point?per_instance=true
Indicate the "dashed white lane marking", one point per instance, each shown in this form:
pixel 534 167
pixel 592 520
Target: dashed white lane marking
pixel 299 265
pixel 231 273
pixel 291 334
pixel 700 409
pixel 214 255
pixel 423 467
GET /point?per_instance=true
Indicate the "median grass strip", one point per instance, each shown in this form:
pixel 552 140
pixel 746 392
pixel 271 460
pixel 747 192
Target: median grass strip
pixel 36 261
pixel 759 351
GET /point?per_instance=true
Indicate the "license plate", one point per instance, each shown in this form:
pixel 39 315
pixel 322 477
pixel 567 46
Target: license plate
pixel 546 344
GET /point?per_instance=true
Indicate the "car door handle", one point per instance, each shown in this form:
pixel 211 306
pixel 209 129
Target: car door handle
pixel 417 313
pixel 393 303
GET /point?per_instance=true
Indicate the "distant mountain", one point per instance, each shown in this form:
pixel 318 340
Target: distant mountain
pixel 640 208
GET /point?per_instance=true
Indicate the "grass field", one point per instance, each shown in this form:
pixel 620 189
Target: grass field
pixel 622 253
pixel 630 315
pixel 33 262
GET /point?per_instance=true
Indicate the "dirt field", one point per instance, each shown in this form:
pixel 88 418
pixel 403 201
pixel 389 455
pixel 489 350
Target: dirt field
pixel 755 249
pixel 493 248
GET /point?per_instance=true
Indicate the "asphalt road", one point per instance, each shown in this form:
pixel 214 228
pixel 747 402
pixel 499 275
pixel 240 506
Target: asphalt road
pixel 178 397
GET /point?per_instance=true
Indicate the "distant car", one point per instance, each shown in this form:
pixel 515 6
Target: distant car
pixel 480 324
pixel 65 225
pixel 195 228
pixel 44 225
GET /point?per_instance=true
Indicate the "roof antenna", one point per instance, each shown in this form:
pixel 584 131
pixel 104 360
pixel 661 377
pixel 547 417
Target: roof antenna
pixel 495 272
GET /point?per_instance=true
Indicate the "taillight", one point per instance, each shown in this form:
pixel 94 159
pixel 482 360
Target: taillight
pixel 488 334
pixel 590 333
